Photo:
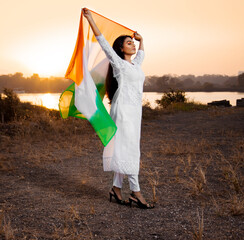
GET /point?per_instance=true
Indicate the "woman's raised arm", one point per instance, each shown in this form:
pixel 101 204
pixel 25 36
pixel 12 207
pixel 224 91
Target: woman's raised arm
pixel 87 14
pixel 139 38
pixel 114 59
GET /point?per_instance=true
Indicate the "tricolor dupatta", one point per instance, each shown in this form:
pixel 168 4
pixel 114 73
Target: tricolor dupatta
pixel 88 69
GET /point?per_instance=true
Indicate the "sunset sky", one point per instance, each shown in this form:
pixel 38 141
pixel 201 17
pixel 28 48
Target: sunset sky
pixel 181 36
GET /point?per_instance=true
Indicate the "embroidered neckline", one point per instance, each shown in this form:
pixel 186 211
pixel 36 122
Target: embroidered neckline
pixel 131 63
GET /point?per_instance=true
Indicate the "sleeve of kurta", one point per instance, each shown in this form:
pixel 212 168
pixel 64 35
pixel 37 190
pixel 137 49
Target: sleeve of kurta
pixel 112 56
pixel 139 57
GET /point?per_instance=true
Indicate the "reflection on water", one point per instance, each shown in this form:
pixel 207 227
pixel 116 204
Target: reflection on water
pixel 200 97
pixel 50 100
pixel 206 97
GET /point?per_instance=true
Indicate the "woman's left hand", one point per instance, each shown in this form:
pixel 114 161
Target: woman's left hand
pixel 137 36
pixel 87 13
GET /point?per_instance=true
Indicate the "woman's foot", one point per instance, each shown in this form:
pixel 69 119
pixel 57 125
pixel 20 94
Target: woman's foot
pixel 116 193
pixel 137 198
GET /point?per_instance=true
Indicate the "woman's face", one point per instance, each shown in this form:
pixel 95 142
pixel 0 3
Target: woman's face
pixel 129 47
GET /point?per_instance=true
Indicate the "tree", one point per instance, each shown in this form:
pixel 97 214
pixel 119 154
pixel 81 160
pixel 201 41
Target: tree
pixel 188 83
pixel 208 86
pixel 162 83
pixel 241 80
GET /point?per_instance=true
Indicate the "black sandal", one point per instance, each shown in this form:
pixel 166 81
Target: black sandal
pixel 134 199
pixel 112 193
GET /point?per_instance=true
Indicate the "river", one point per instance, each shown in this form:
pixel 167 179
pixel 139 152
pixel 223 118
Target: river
pixel 50 100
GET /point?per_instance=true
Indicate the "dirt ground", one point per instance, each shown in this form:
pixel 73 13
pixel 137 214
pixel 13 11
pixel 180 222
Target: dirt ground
pixel 192 164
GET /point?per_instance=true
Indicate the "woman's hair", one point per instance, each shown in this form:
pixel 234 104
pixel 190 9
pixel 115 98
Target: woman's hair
pixel 111 84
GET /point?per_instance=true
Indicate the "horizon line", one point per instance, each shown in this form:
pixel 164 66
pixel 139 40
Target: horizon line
pixel 156 75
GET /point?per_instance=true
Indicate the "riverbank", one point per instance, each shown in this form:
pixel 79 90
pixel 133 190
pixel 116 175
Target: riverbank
pixel 192 164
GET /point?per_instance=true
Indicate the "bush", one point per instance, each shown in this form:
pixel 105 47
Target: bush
pixel 175 101
pixel 171 97
pixel 9 102
pixel 148 112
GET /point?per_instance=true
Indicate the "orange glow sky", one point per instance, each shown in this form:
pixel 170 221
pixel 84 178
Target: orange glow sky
pixel 181 36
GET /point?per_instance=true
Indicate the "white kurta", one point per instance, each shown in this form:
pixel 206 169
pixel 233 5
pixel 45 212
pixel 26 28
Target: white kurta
pixel 122 154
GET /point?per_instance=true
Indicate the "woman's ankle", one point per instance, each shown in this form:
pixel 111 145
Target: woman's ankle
pixel 139 196
pixel 138 193
pixel 116 188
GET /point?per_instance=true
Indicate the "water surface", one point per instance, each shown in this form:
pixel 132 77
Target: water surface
pixel 50 100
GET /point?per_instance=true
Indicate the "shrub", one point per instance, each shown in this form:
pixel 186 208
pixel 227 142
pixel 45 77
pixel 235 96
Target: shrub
pixel 9 102
pixel 175 101
pixel 171 97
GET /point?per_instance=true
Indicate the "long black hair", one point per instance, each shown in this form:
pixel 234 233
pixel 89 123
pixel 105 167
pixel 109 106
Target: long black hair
pixel 111 83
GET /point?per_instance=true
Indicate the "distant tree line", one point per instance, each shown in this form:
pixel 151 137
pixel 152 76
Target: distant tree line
pixel 194 83
pixel 35 84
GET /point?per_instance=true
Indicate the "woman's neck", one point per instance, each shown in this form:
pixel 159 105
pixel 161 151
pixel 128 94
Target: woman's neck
pixel 128 58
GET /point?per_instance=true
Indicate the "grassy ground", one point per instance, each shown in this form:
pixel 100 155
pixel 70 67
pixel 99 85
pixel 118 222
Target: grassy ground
pixel 192 165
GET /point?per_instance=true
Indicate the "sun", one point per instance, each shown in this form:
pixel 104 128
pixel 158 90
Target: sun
pixel 48 61
pixel 47 56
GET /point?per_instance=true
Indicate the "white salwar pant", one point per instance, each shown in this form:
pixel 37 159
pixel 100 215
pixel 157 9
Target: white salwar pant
pixel 133 181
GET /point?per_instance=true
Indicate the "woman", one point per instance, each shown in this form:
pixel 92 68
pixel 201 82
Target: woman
pixel 124 86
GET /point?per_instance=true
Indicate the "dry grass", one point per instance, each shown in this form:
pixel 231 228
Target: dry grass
pixel 232 205
pixel 148 112
pixel 6 163
pixel 173 107
pixel 191 172
pixel 153 179
pixel 236 205
pixel 193 160
pixel 190 106
pixel 197 229
pixel 203 169
pixel 6 230
pixel 179 147
pixel 75 227
pixel 232 177
pixel 217 208
pixel 195 181
pixel 42 138
pixel 220 111
pixel 152 176
pixel 185 107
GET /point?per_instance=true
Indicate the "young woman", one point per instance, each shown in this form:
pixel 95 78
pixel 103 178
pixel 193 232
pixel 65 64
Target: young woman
pixel 124 87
